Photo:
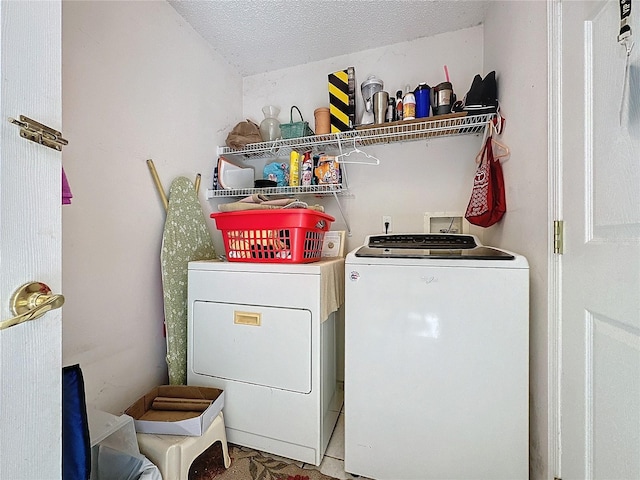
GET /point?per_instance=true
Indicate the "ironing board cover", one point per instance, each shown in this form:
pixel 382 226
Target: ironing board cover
pixel 185 238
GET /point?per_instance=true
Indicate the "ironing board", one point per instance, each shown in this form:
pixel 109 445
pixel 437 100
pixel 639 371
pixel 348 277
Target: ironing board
pixel 185 238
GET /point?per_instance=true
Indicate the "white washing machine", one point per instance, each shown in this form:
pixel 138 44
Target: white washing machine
pixel 436 359
pixel 265 333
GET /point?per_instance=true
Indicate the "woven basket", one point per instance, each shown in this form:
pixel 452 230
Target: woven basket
pixel 295 129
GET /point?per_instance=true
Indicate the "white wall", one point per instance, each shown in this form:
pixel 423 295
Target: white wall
pixel 515 45
pixel 412 178
pixel 138 83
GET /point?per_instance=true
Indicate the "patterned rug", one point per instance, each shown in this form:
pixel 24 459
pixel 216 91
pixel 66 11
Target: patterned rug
pixel 248 464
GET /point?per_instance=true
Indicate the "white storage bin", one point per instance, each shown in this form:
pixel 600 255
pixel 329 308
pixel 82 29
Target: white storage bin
pixel 116 436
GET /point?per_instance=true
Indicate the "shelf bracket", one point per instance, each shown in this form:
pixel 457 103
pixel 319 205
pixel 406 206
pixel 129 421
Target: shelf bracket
pixel 344 216
pixel 339 144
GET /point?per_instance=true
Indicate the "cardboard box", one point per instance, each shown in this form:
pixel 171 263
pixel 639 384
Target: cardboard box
pixel 171 422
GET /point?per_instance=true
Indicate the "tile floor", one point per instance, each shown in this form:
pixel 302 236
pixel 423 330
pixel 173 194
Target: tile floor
pixel 333 462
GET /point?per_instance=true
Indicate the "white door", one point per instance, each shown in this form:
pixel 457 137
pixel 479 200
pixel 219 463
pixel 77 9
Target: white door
pixel 30 240
pixel 600 341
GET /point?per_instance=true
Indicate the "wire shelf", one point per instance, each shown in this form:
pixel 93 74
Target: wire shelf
pixel 410 130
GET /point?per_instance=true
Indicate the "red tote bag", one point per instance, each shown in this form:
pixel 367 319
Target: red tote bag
pixel 488 203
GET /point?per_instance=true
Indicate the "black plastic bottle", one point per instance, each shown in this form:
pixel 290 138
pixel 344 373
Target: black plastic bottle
pixel 399 105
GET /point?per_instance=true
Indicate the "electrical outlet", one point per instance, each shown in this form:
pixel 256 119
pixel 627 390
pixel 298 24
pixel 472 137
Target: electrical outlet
pixel 387 224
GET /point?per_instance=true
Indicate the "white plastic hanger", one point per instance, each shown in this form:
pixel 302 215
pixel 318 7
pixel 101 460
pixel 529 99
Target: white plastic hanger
pixel 355 149
pixel 500 150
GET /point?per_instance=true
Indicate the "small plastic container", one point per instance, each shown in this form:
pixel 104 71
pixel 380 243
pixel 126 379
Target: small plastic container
pixel 322 120
pixel 273 236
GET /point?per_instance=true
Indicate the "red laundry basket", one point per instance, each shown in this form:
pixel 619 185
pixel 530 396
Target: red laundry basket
pixel 273 236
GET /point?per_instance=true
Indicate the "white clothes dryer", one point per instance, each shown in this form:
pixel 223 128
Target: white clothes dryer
pixel 265 333
pixel 436 359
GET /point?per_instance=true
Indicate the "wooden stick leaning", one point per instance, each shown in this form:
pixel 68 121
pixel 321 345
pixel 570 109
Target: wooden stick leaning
pixel 156 180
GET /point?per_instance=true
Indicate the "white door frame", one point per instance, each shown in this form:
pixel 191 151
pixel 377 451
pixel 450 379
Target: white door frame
pixel 554 308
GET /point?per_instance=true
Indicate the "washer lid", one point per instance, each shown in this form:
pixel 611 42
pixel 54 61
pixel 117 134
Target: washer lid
pixel 430 245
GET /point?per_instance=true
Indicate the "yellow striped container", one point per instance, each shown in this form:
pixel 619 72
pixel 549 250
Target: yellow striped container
pixel 342 99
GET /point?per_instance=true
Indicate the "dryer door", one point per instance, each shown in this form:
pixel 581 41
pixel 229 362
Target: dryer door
pixel 268 346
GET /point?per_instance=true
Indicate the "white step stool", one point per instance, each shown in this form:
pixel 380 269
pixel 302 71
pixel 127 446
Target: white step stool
pixel 174 454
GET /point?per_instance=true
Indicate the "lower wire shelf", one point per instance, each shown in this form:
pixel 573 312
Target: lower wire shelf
pixel 327 189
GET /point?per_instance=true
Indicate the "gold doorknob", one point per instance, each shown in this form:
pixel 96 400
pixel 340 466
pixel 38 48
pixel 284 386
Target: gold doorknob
pixel 30 301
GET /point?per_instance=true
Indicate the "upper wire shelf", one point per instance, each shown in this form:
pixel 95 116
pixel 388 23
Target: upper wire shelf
pixel 404 131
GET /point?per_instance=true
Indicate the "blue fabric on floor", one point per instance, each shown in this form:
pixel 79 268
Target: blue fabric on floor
pixel 76 445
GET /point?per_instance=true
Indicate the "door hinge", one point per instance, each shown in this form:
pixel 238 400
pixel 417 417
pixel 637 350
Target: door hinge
pixel 39 133
pixel 558 237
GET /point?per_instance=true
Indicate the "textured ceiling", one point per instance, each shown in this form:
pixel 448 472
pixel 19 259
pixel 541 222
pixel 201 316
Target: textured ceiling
pixel 259 36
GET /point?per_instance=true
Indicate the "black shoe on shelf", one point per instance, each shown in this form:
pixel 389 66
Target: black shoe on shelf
pixel 482 97
pixel 473 98
pixel 486 101
pixel 490 91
